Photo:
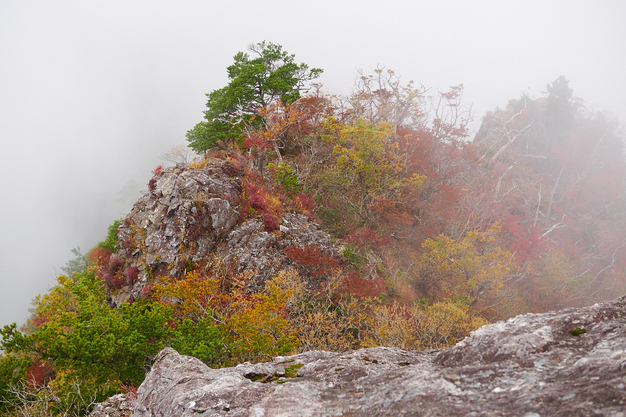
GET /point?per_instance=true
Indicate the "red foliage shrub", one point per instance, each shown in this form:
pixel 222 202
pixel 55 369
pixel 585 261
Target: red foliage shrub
pixel 313 259
pixel 99 257
pixel 114 281
pixel 356 285
pixel 114 265
pixel 305 203
pixel 152 184
pixel 257 202
pixel 270 221
pixel 111 274
pixel 108 269
pixel 37 321
pixel 38 374
pixel 255 196
pixel 157 173
pixel 131 275
pixel 256 142
pixel 366 237
pixel 524 240
pixel 147 291
pixel 130 391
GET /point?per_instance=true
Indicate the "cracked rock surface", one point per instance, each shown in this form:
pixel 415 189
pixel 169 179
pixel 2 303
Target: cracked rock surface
pixel 116 406
pixel 563 363
pixel 194 215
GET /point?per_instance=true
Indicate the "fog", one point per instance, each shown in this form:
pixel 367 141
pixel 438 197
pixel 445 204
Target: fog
pixel 91 93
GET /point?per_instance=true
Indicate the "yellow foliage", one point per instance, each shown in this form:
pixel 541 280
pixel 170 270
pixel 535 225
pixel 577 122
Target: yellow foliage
pixel 332 322
pixel 369 178
pixel 318 321
pixel 278 118
pixel 367 156
pixel 414 327
pixel 445 323
pixel 393 325
pixel 472 267
pixel 193 296
pixel 274 205
pixel 325 330
pixel 293 285
pixel 253 324
pixel 199 163
pixel 289 317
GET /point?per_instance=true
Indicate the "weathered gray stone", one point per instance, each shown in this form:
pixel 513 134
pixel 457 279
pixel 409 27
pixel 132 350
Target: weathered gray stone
pixel 531 365
pixel 117 406
pixel 193 215
pixel 222 216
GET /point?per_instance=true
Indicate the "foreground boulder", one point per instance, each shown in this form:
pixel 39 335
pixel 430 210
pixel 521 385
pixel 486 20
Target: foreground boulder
pixel 565 363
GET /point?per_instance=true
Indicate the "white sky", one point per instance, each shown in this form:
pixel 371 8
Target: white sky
pixel 92 92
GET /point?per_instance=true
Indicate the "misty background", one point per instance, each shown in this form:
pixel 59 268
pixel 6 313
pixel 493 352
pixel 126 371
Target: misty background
pixel 92 93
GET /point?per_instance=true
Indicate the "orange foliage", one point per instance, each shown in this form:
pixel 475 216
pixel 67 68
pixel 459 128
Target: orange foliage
pixel 254 325
pixel 99 257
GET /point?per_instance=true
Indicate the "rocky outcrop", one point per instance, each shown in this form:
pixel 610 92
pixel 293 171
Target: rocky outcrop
pixel 565 363
pixel 199 215
pixel 117 406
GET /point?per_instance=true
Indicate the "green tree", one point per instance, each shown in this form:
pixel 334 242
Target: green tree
pixel 270 76
pixel 110 243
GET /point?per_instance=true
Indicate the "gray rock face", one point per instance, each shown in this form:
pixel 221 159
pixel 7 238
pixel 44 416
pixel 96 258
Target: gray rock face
pixel 116 406
pixel 565 363
pixel 194 215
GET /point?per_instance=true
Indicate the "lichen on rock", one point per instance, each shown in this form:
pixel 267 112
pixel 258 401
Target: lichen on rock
pixel 198 215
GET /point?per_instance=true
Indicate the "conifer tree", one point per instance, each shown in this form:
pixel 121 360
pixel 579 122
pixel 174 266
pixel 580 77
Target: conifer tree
pixel 257 82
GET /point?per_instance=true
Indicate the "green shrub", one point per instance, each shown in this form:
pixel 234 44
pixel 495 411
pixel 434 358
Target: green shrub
pixel 12 374
pixel 95 348
pixel 110 243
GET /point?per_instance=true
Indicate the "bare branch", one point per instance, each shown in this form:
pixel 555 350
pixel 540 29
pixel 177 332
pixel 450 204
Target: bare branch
pixel 555 226
pixel 538 204
pixel 612 260
pixel 495 195
pixel 556 184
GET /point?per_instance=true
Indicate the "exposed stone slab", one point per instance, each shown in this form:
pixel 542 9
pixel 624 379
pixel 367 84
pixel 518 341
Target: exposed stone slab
pixel 531 365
